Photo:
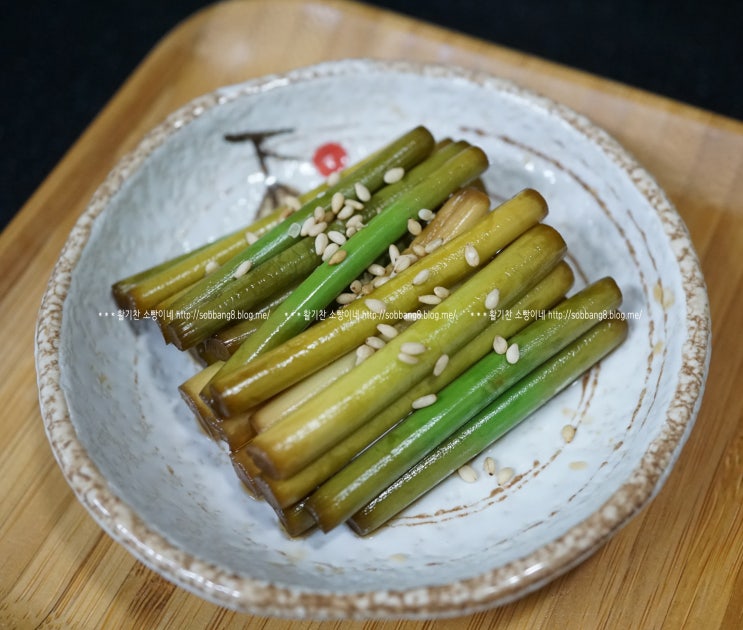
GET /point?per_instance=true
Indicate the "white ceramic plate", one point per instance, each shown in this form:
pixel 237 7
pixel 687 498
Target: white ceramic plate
pixel 136 460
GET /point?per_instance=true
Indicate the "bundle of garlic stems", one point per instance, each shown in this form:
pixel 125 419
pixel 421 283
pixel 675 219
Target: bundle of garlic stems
pixel 391 327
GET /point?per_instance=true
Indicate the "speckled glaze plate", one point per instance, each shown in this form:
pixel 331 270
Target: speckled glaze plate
pixel 137 461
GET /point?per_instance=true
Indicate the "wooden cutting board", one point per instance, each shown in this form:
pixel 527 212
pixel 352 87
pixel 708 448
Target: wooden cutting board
pixel 680 562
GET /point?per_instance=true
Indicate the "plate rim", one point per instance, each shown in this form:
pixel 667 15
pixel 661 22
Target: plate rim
pixel 485 590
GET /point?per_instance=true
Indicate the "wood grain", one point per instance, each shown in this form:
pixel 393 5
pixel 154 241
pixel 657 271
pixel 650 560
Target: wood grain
pixel 678 564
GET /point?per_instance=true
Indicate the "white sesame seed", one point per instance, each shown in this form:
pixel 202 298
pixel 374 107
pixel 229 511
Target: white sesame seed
pixel 317 228
pixel 379 281
pixel 330 250
pixel 356 286
pixel 489 466
pixel 407 358
pixel 441 292
pixel 319 213
pixel 512 354
pixel 350 231
pixel 242 269
pixel 345 298
pixel 394 175
pixel 211 266
pixel 505 475
pixel 413 347
pixel 337 237
pixel 424 214
pixel 336 202
pixel 345 212
pixel 421 277
pixel 387 331
pixel 467 473
pixel 376 342
pixel 338 257
pixel 492 299
pixel 568 433
pixel 471 255
pixel 376 269
pixel 500 345
pixel 362 192
pixel 321 242
pixel 419 250
pixel 376 306
pixel 294 230
pixel 356 205
pixel 363 353
pixel 356 221
pixel 413 258
pixel 394 253
pixel 424 401
pixel 402 263
pixel 433 245
pixel 308 223
pixel 250 238
pixel 440 364
pixel 333 178
pixel 414 227
pixel 367 289
pixel 291 202
pixel 433 300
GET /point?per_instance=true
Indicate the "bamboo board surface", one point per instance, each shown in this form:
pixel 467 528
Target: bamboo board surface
pixel 678 564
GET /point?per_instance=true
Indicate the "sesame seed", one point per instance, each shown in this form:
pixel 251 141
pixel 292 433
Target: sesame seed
pixel 505 475
pixel 338 257
pixel 489 466
pixel 394 253
pixel 394 175
pixel 362 192
pixel 291 202
pixel 356 286
pixel 414 227
pixel 345 298
pixel 376 306
pixel 421 277
pixel 433 300
pixel 333 178
pixel 242 269
pixel 211 266
pixel 467 473
pixel 308 223
pixel 363 353
pixel 285 213
pixel 424 214
pixel 402 263
pixel 568 433
pixel 424 401
pixel 376 270
pixel 376 342
pixel 387 331
pixel 492 299
pixel 500 345
pixel 336 202
pixel 433 245
pixel 337 237
pixel 317 228
pixel 419 250
pixel 441 292
pixel 379 281
pixel 321 242
pixel 319 213
pixel 330 250
pixel 356 205
pixel 413 347
pixel 440 364
pixel 294 230
pixel 250 238
pixel 329 217
pixel 407 358
pixel 471 255
pixel 356 221
pixel 350 231
pixel 345 212
pixel 512 354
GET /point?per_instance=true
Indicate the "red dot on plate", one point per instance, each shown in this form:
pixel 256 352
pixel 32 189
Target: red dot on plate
pixel 329 157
